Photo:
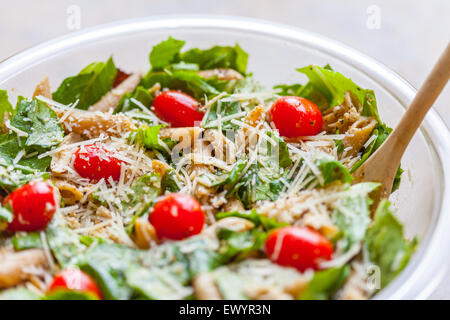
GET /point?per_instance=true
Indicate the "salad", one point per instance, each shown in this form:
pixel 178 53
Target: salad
pixel 193 181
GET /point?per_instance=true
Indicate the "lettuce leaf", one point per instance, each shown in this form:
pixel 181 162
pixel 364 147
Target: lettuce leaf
pixel 352 213
pixel 333 170
pixel 19 294
pixel 331 84
pixel 5 106
pixel 140 94
pixel 236 246
pixel 185 80
pixel 26 241
pixel 165 53
pixel 6 215
pixel 92 83
pixel 325 283
pixel 39 122
pixel 218 57
pixel 149 138
pixel 386 245
pixel 257 219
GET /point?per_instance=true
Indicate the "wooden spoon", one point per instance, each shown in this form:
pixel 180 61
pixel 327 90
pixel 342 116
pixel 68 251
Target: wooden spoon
pixel 383 164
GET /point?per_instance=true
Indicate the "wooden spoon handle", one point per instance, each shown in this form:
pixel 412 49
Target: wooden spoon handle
pixel 424 99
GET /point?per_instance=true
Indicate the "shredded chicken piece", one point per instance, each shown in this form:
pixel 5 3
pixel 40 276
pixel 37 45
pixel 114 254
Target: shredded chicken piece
pixel 221 74
pixel 110 100
pixel 12 266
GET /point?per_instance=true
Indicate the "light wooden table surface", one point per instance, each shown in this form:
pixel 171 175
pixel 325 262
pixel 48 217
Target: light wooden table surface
pixel 408 36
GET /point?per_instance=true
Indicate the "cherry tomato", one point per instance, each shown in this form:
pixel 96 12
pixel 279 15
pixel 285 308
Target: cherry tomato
pixel 177 108
pixel 33 206
pixel 296 116
pixel 298 247
pixel 120 77
pixel 73 279
pixel 177 216
pixel 96 162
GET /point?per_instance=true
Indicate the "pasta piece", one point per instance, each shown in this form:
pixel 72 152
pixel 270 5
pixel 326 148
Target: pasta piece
pixel 159 167
pixel 186 136
pixel 144 233
pixel 221 74
pixel 205 287
pixel 61 160
pixel 43 89
pixel 358 134
pixel 232 223
pixel 266 292
pixel 92 124
pixel 12 266
pixel 224 149
pixel 110 100
pixel 233 205
pixel 68 191
pixel 255 117
pixel 340 118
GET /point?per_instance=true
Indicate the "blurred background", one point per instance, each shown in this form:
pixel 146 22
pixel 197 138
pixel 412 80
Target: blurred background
pixel 405 35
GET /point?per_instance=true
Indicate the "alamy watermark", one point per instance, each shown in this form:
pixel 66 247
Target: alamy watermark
pixel 73 21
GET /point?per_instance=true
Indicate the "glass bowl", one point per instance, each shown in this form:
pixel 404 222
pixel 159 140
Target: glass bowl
pixel 422 202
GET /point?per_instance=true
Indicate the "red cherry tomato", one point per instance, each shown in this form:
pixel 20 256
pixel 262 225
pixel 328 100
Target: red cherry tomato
pixel 96 162
pixel 296 116
pixel 73 279
pixel 33 205
pixel 177 216
pixel 177 108
pixel 298 247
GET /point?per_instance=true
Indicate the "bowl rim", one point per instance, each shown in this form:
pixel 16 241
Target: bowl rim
pixel 423 273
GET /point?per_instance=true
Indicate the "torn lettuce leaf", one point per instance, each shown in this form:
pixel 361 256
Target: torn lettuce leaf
pixel 39 131
pixel 176 70
pixel 331 84
pixel 325 283
pixel 165 53
pixel 89 86
pixel 5 105
pixel 351 214
pixel 140 94
pixel 236 246
pixel 223 109
pixel 218 57
pixel 29 240
pixel 185 80
pixel 6 215
pixel 39 122
pixel 333 170
pixel 170 181
pixel 257 219
pixel 19 294
pixel 148 137
pixel 386 245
